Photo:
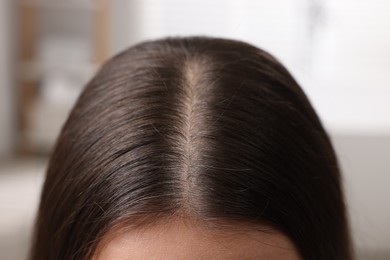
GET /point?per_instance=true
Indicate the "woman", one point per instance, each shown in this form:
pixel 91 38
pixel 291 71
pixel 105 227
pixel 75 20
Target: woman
pixel 192 148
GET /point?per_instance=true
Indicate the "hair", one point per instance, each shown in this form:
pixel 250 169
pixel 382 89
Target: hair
pixel 207 128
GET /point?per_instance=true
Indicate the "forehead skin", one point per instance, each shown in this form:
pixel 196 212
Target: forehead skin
pixel 186 240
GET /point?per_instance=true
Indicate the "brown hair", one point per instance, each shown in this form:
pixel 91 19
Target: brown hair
pixel 204 127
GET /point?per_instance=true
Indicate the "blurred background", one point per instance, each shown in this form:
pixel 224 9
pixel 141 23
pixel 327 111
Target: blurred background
pixel 338 50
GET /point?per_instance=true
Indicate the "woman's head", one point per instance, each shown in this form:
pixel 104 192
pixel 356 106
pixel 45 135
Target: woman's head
pixel 201 130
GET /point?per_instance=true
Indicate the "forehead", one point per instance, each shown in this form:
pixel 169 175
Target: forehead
pixel 187 240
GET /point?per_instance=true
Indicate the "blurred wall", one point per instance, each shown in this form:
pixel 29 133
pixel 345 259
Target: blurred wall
pixel 365 164
pixel 7 104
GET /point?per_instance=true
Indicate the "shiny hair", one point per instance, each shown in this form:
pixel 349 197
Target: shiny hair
pixel 208 128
